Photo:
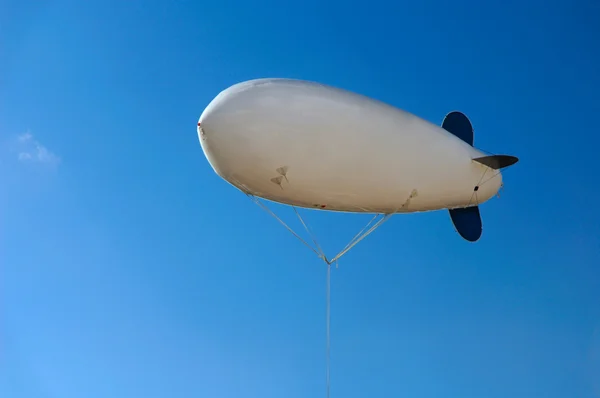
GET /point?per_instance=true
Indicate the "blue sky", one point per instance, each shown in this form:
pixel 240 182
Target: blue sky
pixel 129 269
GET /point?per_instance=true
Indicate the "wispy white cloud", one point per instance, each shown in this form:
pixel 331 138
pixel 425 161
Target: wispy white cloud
pixel 31 150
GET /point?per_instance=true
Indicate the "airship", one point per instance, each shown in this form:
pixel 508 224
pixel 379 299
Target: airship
pixel 311 145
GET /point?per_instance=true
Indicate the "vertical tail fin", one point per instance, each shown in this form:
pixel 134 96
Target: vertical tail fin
pixel 458 124
pixel 467 222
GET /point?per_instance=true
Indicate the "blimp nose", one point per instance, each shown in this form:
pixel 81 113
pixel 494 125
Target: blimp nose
pixel 203 123
pixel 217 132
pixel 204 130
pixel 207 117
pixel 201 132
pixel 219 110
pixel 208 122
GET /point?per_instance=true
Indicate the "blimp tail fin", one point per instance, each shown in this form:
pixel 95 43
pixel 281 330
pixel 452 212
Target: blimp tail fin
pixel 497 162
pixel 467 222
pixel 458 124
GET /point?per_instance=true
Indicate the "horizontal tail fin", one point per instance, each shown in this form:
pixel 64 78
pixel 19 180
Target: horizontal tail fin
pixel 497 162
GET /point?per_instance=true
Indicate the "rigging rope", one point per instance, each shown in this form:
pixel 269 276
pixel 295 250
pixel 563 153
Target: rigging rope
pixel 364 235
pixel 319 252
pixel 310 234
pixel 480 184
pixel 328 316
pixel 265 208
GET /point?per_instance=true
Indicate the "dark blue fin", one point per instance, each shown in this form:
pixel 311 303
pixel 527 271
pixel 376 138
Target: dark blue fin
pixel 458 124
pixel 467 222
